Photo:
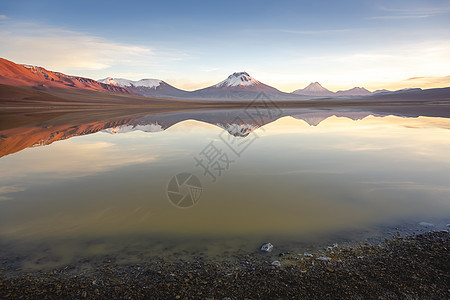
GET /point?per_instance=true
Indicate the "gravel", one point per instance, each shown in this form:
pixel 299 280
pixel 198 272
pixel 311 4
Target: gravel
pixel 414 267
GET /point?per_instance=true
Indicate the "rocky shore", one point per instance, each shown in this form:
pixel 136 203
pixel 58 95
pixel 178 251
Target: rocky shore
pixel 414 267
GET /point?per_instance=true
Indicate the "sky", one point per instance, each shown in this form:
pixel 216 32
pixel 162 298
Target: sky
pixel 193 44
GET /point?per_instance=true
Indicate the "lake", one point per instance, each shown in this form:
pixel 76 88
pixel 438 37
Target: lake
pixel 217 184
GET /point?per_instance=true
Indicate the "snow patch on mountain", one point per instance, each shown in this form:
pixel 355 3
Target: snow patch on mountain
pixel 238 79
pixel 122 82
pixel 109 81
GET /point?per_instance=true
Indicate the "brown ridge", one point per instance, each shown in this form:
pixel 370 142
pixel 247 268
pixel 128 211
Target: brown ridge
pixel 33 76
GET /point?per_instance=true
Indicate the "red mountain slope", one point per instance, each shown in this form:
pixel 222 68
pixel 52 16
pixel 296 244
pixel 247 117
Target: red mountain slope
pixel 32 76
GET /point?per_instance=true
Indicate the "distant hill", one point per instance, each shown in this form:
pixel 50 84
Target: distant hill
pixel 317 90
pixel 147 87
pixel 314 89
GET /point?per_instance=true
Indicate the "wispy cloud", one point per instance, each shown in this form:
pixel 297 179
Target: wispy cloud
pixel 3 17
pixel 299 32
pixel 418 10
pixel 382 67
pixel 69 51
pixel 208 70
pixel 411 12
pixel 399 17
pixel 430 80
pixel 63 49
pixel 415 78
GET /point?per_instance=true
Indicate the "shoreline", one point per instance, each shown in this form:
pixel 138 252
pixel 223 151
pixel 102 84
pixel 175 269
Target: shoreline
pixel 416 266
pixel 26 98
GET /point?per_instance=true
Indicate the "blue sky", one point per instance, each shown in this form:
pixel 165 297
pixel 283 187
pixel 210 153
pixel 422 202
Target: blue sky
pixel 192 44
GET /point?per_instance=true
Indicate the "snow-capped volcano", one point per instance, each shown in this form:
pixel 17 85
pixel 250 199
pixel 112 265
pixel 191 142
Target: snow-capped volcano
pixel 146 87
pixel 239 85
pixel 238 79
pixel 314 89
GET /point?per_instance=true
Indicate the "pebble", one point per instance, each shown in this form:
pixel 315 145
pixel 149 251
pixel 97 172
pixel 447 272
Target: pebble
pixel 307 254
pixel 276 263
pixel 426 224
pixel 199 279
pixel 267 247
pixel 324 258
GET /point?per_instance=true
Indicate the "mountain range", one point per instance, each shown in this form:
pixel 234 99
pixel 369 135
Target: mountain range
pixel 146 87
pixel 316 89
pixel 237 86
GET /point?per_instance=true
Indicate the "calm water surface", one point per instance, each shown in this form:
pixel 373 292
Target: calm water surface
pixel 288 182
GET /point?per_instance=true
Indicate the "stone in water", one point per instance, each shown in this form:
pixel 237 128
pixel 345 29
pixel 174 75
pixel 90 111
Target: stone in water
pixel 267 247
pixel 426 224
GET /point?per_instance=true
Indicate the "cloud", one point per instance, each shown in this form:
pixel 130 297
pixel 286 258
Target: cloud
pixel 411 12
pixel 209 70
pixel 399 17
pixel 415 78
pixel 430 80
pixel 383 67
pixel 3 17
pixel 299 32
pixel 417 10
pixel 74 52
pixel 62 49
